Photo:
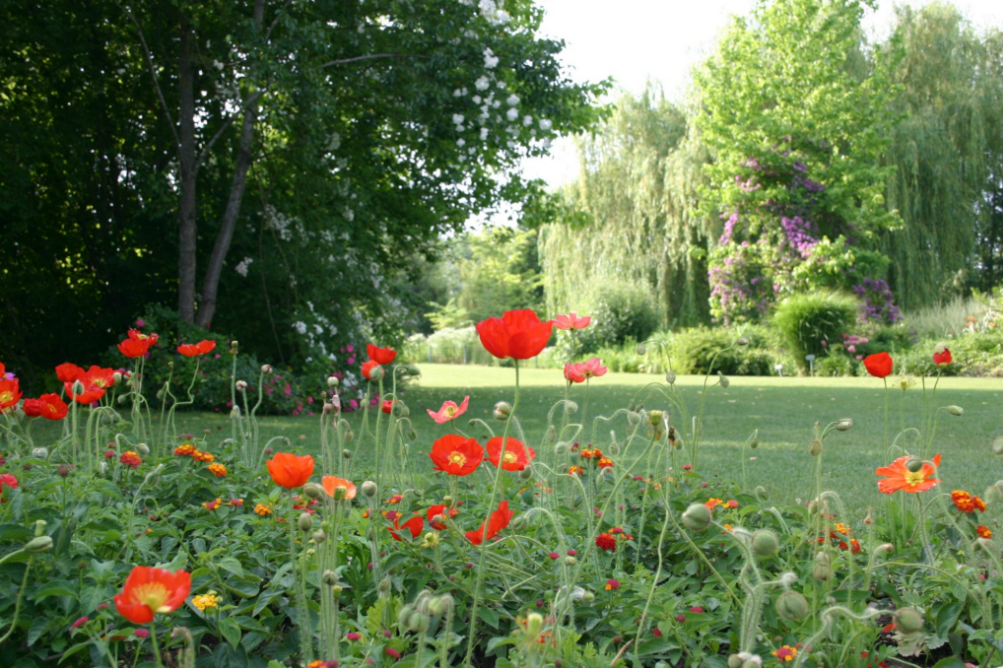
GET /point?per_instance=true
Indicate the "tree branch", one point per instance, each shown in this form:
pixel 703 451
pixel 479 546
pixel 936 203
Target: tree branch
pixel 371 57
pixel 153 72
pixel 275 22
pixel 219 133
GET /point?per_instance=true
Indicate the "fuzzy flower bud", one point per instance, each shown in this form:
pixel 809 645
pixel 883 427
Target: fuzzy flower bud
pixel 235 412
pixel 914 464
pixel 765 543
pixel 305 522
pixel 313 490
pixel 697 517
pixel 330 578
pixel 760 492
pixel 376 373
pixel 844 425
pixel 319 537
pixel 143 449
pixel 993 495
pixel 266 369
pixel 633 417
pixel 38 545
pixel 570 407
pixel 413 370
pixel 369 489
pixel 552 434
pixel 241 385
pixel 670 377
pixel 792 606
pixel 346 453
pixel 742 341
pixel 815 447
pixel 909 620
pixel 502 410
pixel 333 382
pixel 884 548
pixel 723 380
pixel 641 349
pixel 956 411
pixel 40 453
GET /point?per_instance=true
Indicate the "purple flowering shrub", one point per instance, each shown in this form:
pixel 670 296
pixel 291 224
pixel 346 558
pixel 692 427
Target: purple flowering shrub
pixel 877 302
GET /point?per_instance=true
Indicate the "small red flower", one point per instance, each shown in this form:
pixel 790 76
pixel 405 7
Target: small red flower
pixel 456 455
pixel 612 585
pixel 984 532
pixel 498 520
pixel 68 373
pixel 449 411
pixel 517 456
pixel 196 349
pixel 382 356
pixel 879 365
pixel 413 525
pixel 10 393
pixel 573 374
pixel 606 542
pixel 137 344
pixel 388 406
pixel 48 406
pixel 130 458
pixel 942 358
pixel 517 334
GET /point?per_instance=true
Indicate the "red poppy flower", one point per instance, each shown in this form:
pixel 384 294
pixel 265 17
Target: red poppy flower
pixel 387 406
pixel 413 525
pixel 899 477
pixel 99 377
pixel 572 321
pixel 879 365
pixel 32 407
pixel 449 411
pixel 95 382
pixel 290 471
pixel 10 393
pixel 499 520
pixel 48 406
pixel 196 349
pixel 456 455
pixel 382 356
pixel 517 455
pixel 573 373
pixel 437 511
pixel 68 373
pixel 367 369
pixel 137 344
pixel 148 591
pixel 517 334
pixel 942 358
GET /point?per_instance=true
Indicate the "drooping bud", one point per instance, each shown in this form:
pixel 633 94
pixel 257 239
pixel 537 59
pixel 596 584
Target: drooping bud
pixel 734 661
pixel 319 537
pixel 418 622
pixel 844 425
pixel 349 434
pixel 723 380
pixel 765 543
pixel 909 620
pixel 235 412
pixel 313 490
pixel 551 434
pixel 376 373
pixel 502 410
pixel 815 447
pixel 38 545
pixel 641 349
pixel 413 370
pixel 792 606
pixel 742 341
pixel 143 449
pixel 570 407
pixel 330 578
pixel 760 492
pixel 633 417
pixel 956 411
pixel 525 474
pixel 266 369
pixel 369 489
pixel 697 517
pixel 404 616
pixel 914 464
pixel 333 382
pixel 305 522
pixel 822 570
pixel 40 453
pixel 884 548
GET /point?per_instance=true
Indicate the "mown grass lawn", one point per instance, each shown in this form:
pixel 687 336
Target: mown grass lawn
pixel 784 411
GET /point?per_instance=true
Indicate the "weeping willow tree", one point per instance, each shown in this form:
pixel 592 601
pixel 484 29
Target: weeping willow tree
pixel 641 229
pixel 947 154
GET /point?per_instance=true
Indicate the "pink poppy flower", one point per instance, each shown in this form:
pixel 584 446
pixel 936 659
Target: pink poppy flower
pixel 449 411
pixel 572 321
pixel 592 368
pixel 573 373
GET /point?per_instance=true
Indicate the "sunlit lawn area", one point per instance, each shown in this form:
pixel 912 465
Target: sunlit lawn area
pixel 782 409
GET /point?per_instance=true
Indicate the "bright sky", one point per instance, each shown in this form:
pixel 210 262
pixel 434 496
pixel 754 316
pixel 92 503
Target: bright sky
pixel 635 41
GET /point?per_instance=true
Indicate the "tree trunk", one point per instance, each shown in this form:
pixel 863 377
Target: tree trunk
pixel 210 285
pixel 188 172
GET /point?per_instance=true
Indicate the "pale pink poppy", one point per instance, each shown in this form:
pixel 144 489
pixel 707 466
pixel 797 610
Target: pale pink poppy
pixel 592 368
pixel 573 374
pixel 449 411
pixel 572 321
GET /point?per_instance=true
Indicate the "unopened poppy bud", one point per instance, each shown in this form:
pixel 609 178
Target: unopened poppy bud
pixel 760 492
pixel 418 622
pixel 143 449
pixel 998 445
pixel 313 490
pixel 670 377
pixel 319 537
pixel 993 495
pixel 181 632
pixel 723 380
pixel 742 341
pixel 525 474
pixel 436 607
pixel 588 597
pixel 641 349
pixel 333 381
pixel 909 620
pixel 765 543
pixel 376 373
pixel 754 443
pixel 822 572
pixel 400 409
pixel 346 453
pixel 384 585
pixel 570 561
pixel 868 520
pixel 116 377
pixel 697 517
pixel 241 385
pixel 330 578
pixel 570 407
pixel 551 434
pixel 956 411
pixel 633 417
pixel 328 408
pixel 160 395
pixel 914 464
pixel 884 548
pixel 349 434
pixel 369 489
pixel 234 347
pixel 78 387
pixel 305 522
pixel 38 545
pixel 502 410
pixel 404 616
pixel 792 606
pixel 413 370
pixel 561 448
pixel 520 522
pixel 266 369
pixel 815 447
pixel 734 661
pixel 235 412
pixel 40 453
pixel 844 425
pixel 412 434
pixel 447 501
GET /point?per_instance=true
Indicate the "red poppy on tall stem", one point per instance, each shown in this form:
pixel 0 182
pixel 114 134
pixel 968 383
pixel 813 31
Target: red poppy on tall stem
pixel 517 334
pixel 137 344
pixel 942 356
pixel 289 470
pixel 387 406
pixel 48 406
pixel 382 356
pixel 89 393
pixel 413 525
pixel 879 365
pixel 148 591
pixel 10 393
pixel 517 455
pixel 196 349
pixel 456 455
pixel 68 373
pixel 368 368
pixel 100 377
pixel 498 520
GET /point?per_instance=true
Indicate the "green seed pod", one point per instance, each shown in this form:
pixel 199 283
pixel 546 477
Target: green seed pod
pixel 734 661
pixel 319 537
pixel 38 545
pixel 956 411
pixel 413 370
pixel 305 522
pixel 844 425
pixel 723 380
pixel 570 407
pixel 792 606
pixel 914 464
pixel 822 572
pixel 330 578
pixel 670 377
pixel 742 341
pixel 815 448
pixel 697 517
pixel 313 490
pixel 909 620
pixel 765 543
pixel 998 445
pixel 369 489
pixel 333 381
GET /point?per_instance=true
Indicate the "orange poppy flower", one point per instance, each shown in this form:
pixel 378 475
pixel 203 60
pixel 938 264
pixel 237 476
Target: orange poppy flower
pixel 413 525
pixel 331 483
pixel 899 477
pixel 196 349
pixel 517 455
pixel 367 369
pixel 499 520
pixel 517 334
pixel 290 471
pixel 148 591
pixel 439 511
pixel 382 356
pixel 10 393
pixel 878 365
pixel 456 455
pixel 68 373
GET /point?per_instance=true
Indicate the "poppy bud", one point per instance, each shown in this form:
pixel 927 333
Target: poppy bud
pixel 102 468
pixel 38 545
pixel 909 620
pixel 956 411
pixel 400 409
pixel 993 495
pixel 369 489
pixel 143 449
pixel 551 434
pixel 266 369
pixel 844 425
pixel 884 548
pixel 181 632
pixel 313 490
pixel 330 578
pixel 998 445
pixel 234 347
pixel 40 453
pixel 346 453
pixel 502 410
pixel 760 492
pixel 160 396
pixel 404 616
pixel 914 464
pixel 754 443
pixel 305 522
pixel 333 381
pixel 418 622
pixel 376 373
pixel 765 543
pixel 868 520
pixel 588 597
pixel 328 408
pixel 742 341
pixel 78 387
pixel 697 517
pixel 319 537
pixel 655 418
pixel 235 412
pixel 570 407
pixel 384 585
pixel 641 349
pixel 670 376
pixel 349 434
pixel 734 661
pixel 241 385
pixel 633 417
pixel 561 448
pixel 412 434
pixel 792 606
pixel 436 607
pixel 815 448
pixel 413 370
pixel 570 561
pixel 723 380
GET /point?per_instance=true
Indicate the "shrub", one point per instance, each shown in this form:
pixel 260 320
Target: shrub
pixel 693 351
pixel 622 313
pixel 810 322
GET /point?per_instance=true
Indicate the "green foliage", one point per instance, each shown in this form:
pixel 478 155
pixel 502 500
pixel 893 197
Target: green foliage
pixel 499 271
pixel 811 322
pixel 623 312
pixel 709 350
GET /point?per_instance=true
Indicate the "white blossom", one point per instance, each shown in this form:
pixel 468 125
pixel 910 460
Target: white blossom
pixel 527 120
pixel 476 99
pixel 502 17
pixel 490 59
pixel 545 124
pixel 458 119
pixel 512 114
pixel 512 100
pixel 460 142
pixel 300 327
pixel 482 83
pixel 459 92
pixel 484 134
pixel 242 266
pixel 502 85
pixel 496 104
pixel 334 142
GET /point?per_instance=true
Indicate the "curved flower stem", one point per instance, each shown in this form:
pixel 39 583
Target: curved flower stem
pixel 20 595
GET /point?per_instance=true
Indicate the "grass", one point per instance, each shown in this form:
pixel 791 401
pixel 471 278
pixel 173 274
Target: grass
pixel 784 411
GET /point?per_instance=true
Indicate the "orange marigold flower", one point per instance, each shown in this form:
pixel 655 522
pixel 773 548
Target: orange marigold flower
pixel 713 503
pixel 898 477
pixel 130 458
pixel 963 501
pixel 605 463
pixel 212 505
pixel 186 450
pixel 218 470
pixel 841 527
pixel 786 653
pixel 731 503
pixel 979 504
pixel 263 510
pixel 606 542
pixel 235 502
pixel 396 498
pixel 984 532
pixel 575 470
pixel 592 453
pixel 200 456
pixel 148 591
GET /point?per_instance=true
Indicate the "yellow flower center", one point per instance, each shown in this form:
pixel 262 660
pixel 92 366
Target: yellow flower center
pixel 913 479
pixel 6 396
pixel 511 457
pixel 99 382
pixel 153 595
pixel 457 458
pixel 448 411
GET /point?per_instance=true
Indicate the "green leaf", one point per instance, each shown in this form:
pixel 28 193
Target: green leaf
pixel 54 589
pixel 947 616
pixel 489 616
pixel 950 662
pixel 231 631
pixel 232 565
